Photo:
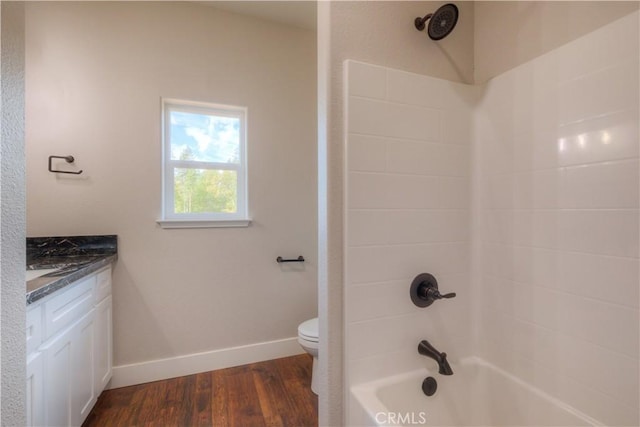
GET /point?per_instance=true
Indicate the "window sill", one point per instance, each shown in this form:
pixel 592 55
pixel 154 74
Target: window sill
pixel 198 223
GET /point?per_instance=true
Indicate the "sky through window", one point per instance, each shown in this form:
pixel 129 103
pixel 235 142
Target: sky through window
pixel 204 137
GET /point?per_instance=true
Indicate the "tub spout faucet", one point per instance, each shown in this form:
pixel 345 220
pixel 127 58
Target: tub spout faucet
pixel 426 349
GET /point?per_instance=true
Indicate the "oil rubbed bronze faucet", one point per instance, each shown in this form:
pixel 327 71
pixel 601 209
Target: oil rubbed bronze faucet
pixel 426 349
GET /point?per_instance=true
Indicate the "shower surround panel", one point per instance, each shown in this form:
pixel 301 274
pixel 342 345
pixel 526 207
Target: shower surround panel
pixel 408 141
pixel 557 187
pixel 521 195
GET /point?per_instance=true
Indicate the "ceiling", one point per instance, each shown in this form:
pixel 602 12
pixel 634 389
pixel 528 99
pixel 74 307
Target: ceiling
pixel 301 13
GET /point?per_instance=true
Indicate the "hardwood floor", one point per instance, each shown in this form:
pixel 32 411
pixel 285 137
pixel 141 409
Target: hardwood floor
pixel 272 393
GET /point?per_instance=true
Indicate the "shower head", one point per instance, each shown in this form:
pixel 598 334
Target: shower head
pixel 441 23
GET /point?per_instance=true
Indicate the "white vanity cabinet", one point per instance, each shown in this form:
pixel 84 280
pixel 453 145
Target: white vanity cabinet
pixel 69 361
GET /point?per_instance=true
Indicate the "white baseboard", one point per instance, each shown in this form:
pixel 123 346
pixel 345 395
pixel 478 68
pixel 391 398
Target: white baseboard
pixel 162 369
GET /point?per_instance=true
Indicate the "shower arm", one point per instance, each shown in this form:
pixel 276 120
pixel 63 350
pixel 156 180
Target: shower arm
pixel 420 22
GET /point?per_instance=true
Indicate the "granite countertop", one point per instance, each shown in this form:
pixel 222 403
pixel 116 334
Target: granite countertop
pixel 72 257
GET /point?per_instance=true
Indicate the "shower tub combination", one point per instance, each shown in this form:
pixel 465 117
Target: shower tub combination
pixel 478 394
pixel 515 138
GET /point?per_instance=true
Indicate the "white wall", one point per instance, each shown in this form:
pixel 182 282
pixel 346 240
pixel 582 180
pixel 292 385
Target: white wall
pixel 95 74
pixel 383 32
pixel 12 216
pixel 407 201
pixel 557 201
pixel 510 33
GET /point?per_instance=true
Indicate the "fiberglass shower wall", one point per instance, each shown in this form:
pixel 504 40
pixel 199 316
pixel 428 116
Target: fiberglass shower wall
pixel 538 169
pixel 408 144
pixel 556 189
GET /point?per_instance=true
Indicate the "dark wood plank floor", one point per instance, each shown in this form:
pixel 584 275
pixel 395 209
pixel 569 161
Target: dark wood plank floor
pixel 272 393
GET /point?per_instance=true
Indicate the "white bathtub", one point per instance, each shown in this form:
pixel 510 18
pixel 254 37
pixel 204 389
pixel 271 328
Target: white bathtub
pixel 477 394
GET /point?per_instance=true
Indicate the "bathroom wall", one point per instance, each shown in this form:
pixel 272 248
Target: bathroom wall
pixel 12 215
pixel 557 185
pixel 95 74
pixel 408 140
pixel 510 33
pixel 383 32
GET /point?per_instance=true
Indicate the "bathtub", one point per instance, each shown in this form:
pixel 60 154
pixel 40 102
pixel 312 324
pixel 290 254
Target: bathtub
pixel 477 394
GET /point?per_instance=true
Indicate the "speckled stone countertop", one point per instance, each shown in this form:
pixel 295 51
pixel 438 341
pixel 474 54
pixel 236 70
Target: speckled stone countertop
pixel 73 257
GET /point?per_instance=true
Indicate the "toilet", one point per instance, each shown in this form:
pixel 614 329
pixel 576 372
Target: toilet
pixel 308 340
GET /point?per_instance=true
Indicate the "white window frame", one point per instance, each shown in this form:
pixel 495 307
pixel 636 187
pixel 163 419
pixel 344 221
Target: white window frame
pixel 171 219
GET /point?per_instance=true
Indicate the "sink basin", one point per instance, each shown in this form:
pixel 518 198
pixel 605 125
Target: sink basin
pixel 32 274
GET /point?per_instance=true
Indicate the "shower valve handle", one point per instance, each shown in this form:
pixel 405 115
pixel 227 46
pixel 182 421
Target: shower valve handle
pixel 424 290
pixel 449 295
pixel 434 293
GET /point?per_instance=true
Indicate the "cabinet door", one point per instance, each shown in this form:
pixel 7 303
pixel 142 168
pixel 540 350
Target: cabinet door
pixel 35 384
pixel 103 344
pixel 83 395
pixel 58 367
pixel 68 382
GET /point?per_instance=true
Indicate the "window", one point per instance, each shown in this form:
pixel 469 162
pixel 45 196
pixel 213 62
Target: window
pixel 204 165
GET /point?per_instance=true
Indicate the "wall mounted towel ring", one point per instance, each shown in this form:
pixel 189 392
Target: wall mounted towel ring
pixel 68 159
